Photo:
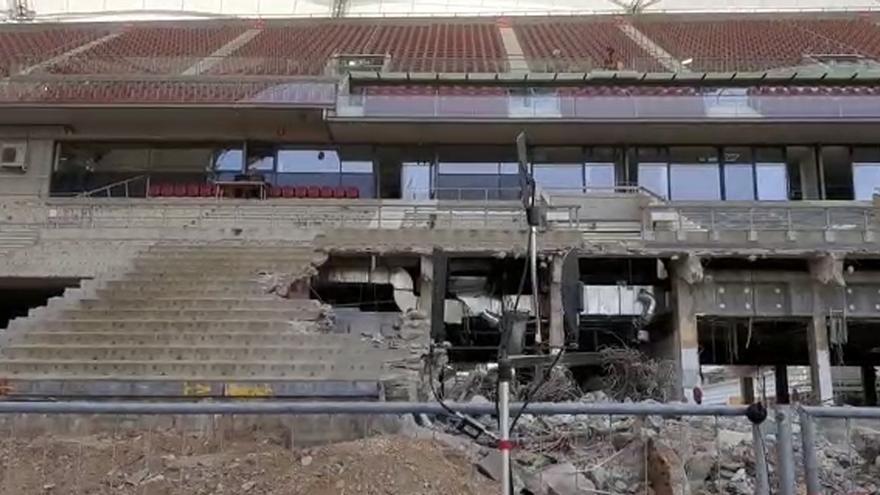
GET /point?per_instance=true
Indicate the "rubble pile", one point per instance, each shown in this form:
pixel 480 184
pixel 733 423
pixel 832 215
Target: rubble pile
pixel 664 456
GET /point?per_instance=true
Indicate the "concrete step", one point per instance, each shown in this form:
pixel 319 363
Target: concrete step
pixel 159 259
pixel 150 291
pixel 190 314
pixel 161 325
pixel 178 287
pixel 183 338
pixel 38 368
pixel 215 277
pixel 258 302
pixel 280 353
pixel 227 268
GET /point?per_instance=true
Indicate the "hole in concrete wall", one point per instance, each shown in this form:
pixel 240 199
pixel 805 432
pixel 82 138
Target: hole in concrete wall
pixel 739 341
pixel 19 295
pixel 363 297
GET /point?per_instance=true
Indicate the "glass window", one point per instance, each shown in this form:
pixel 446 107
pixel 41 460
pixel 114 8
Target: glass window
pixel 260 159
pixel 694 174
pixel 308 161
pixel 599 175
pixel 772 181
pixel 654 177
pixel 567 176
pixel 468 168
pixel 866 172
pixel 695 182
pixel 416 180
pixel 229 160
pixel 739 182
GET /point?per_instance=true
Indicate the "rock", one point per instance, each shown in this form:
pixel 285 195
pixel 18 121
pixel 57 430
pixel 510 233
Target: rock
pixel 306 461
pixel 154 479
pixel 48 486
pixel 698 468
pixel 877 462
pixel 621 486
pixel 599 476
pixel 489 465
pixel 564 479
pixel 666 471
pixel 728 439
pixel 248 486
pixel 137 477
pixel 479 399
pixel 866 441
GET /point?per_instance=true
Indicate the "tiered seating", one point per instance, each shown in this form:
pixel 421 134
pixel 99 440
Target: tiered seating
pixel 301 48
pixel 563 45
pixel 860 36
pixel 739 45
pixel 305 48
pixel 441 47
pixel 151 50
pixel 205 190
pixel 27 47
pixel 134 92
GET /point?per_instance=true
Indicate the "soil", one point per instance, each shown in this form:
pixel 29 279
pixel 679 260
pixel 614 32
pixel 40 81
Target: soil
pixel 156 463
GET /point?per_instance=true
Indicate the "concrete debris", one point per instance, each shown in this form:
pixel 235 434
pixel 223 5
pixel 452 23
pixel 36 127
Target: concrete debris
pixel 866 442
pixel 630 374
pixel 561 479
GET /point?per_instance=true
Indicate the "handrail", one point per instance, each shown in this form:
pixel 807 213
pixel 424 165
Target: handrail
pixel 109 187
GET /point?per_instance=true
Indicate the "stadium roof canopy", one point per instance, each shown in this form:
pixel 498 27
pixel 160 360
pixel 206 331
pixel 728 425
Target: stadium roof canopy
pixel 115 10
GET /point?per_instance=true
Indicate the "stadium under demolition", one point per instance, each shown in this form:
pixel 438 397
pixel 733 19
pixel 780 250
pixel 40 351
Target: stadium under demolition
pixel 304 208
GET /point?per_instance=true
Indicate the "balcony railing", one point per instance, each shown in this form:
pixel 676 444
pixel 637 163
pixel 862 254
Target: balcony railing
pixel 595 107
pixel 850 222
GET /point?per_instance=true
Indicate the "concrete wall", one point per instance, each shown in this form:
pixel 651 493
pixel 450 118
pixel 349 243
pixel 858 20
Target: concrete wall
pixel 39 158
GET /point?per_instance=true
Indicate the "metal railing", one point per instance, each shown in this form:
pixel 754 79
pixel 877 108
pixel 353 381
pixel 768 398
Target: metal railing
pixel 619 107
pixel 123 186
pixel 766 217
pixel 144 446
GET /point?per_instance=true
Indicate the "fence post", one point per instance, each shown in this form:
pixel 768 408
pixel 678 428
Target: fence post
pixel 785 452
pixel 811 466
pixel 762 480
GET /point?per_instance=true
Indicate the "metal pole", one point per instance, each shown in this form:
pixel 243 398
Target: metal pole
pixel 762 481
pixel 505 372
pixel 811 466
pixel 533 268
pixel 785 451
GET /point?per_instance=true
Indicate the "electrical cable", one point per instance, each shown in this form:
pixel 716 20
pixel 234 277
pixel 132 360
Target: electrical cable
pixel 537 387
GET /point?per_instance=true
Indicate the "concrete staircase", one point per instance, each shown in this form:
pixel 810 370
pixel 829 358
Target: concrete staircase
pixel 188 320
pixel 16 237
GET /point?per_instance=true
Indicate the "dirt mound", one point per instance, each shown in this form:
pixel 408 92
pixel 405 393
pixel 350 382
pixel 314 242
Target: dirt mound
pixel 164 464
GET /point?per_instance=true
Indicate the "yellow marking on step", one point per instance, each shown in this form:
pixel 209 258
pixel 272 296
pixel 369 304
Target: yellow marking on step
pixel 247 390
pixel 197 389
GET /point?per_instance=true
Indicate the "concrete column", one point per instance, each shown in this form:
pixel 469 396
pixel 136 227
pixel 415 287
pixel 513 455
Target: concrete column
pixel 869 384
pixel 781 376
pixel 686 340
pixel 557 311
pixel 426 287
pixel 811 183
pixel 747 389
pixel 820 358
pixel 825 271
pixel 439 262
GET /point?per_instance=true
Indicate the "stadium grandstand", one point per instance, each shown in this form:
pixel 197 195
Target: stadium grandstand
pixel 194 192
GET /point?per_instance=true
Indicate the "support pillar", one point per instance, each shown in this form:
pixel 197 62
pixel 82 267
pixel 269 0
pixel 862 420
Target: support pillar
pixel 781 376
pixel 686 273
pixel 747 389
pixel 826 270
pixel 439 264
pixel 426 289
pixel 557 311
pixel 869 384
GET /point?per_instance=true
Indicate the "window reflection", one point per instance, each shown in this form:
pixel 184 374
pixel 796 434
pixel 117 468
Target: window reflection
pixel 772 181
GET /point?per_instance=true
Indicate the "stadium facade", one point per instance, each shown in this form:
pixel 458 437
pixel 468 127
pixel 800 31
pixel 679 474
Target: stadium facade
pixel 708 188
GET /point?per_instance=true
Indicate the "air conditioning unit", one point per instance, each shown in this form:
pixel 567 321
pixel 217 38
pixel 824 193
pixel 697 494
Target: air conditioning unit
pixel 13 156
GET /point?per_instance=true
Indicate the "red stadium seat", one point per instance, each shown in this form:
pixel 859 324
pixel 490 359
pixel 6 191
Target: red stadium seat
pixel 179 190
pixel 155 190
pixel 339 192
pixel 327 192
pixel 314 192
pixel 167 190
pixel 302 192
pixel 276 192
pixel 288 191
pixel 207 190
pixel 193 190
pixel 352 192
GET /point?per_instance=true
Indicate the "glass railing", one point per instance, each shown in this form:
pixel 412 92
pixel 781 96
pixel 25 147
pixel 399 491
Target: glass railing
pixel 598 107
